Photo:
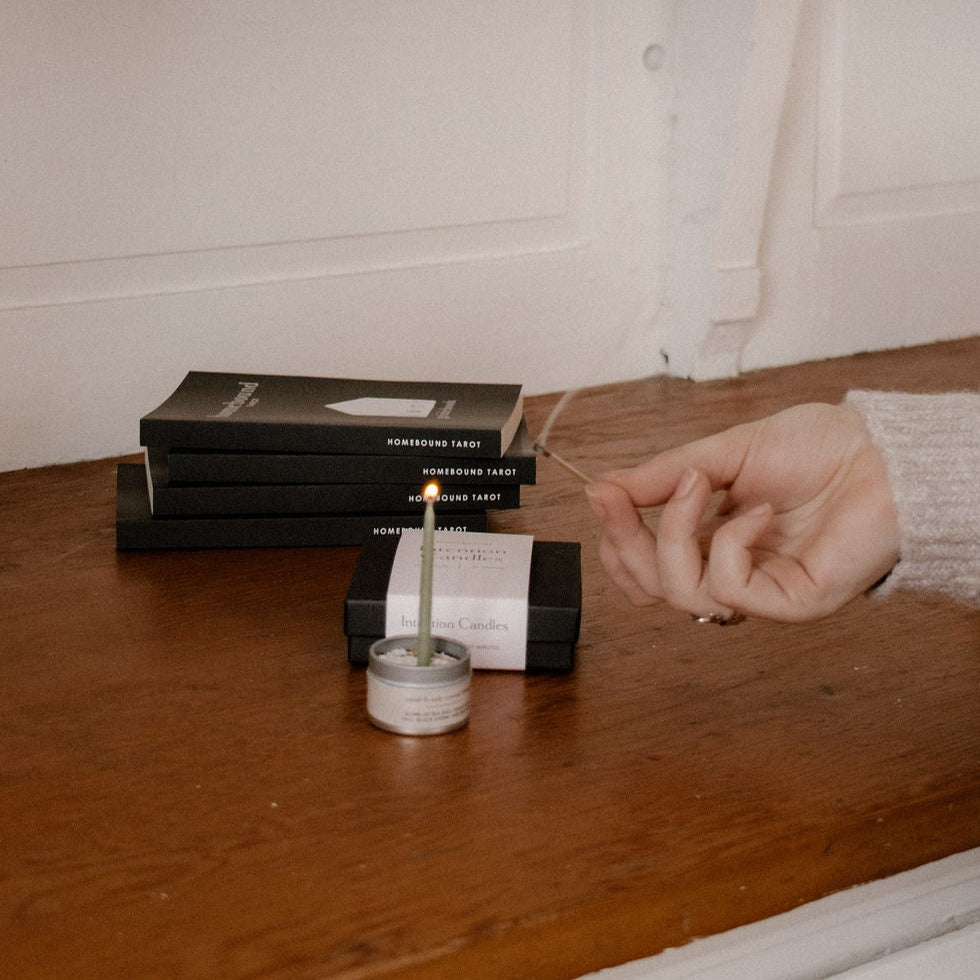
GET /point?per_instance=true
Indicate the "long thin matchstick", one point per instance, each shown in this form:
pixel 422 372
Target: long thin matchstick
pixel 543 450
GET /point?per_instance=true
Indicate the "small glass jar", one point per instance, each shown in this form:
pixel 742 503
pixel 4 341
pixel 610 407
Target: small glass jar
pixel 408 699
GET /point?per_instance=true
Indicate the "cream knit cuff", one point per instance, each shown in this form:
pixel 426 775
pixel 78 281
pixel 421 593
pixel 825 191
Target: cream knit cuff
pixel 931 447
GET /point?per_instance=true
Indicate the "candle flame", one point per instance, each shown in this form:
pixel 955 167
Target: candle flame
pixel 431 491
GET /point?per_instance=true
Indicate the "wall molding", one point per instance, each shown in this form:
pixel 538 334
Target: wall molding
pixel 130 276
pixel 738 274
pixel 838 204
pixel 350 170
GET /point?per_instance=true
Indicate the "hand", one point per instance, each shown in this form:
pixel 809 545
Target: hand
pixel 806 524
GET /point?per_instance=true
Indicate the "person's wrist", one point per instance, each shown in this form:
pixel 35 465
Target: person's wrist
pixel 883 514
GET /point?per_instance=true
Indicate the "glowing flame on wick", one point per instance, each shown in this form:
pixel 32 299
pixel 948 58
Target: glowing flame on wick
pixel 430 492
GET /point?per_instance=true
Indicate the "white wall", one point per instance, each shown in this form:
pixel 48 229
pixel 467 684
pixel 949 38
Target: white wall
pixel 356 187
pixel 558 194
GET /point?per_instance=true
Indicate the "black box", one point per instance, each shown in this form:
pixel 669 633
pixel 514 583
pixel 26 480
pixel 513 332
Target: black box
pixel 554 613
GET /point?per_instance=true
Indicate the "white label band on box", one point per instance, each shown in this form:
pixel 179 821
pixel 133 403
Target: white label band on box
pixel 479 593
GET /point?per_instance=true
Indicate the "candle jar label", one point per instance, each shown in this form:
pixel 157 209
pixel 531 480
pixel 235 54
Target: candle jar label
pixel 408 699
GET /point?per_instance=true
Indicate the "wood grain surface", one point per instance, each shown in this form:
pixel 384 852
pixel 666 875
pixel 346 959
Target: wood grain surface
pixel 189 786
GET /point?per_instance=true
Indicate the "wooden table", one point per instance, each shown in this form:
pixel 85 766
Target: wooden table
pixel 189 787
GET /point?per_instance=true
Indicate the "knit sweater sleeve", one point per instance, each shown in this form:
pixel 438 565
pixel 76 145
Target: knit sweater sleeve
pixel 931 447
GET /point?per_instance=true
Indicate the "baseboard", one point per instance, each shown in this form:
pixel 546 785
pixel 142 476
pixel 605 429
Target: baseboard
pixel 917 925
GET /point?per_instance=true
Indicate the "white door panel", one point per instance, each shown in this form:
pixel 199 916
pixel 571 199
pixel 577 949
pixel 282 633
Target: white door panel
pixel 873 227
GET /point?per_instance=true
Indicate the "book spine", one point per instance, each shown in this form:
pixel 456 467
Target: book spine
pixel 271 532
pixel 286 468
pixel 353 438
pixel 184 501
pixel 137 529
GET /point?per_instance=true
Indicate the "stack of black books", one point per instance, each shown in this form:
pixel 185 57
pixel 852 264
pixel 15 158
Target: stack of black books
pixel 280 461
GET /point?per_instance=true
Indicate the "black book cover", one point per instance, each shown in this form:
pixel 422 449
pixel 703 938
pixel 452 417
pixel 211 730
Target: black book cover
pixel 283 413
pixel 137 529
pixel 318 498
pixel 178 466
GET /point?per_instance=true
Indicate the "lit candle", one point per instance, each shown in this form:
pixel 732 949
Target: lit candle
pixel 423 649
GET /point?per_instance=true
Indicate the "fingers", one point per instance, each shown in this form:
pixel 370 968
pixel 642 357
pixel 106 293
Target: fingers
pixel 680 564
pixel 719 457
pixel 628 549
pixel 759 581
pixel 732 564
pixel 668 565
pixel 797 491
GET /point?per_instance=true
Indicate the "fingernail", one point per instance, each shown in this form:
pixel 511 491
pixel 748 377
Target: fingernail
pixel 687 482
pixel 595 501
